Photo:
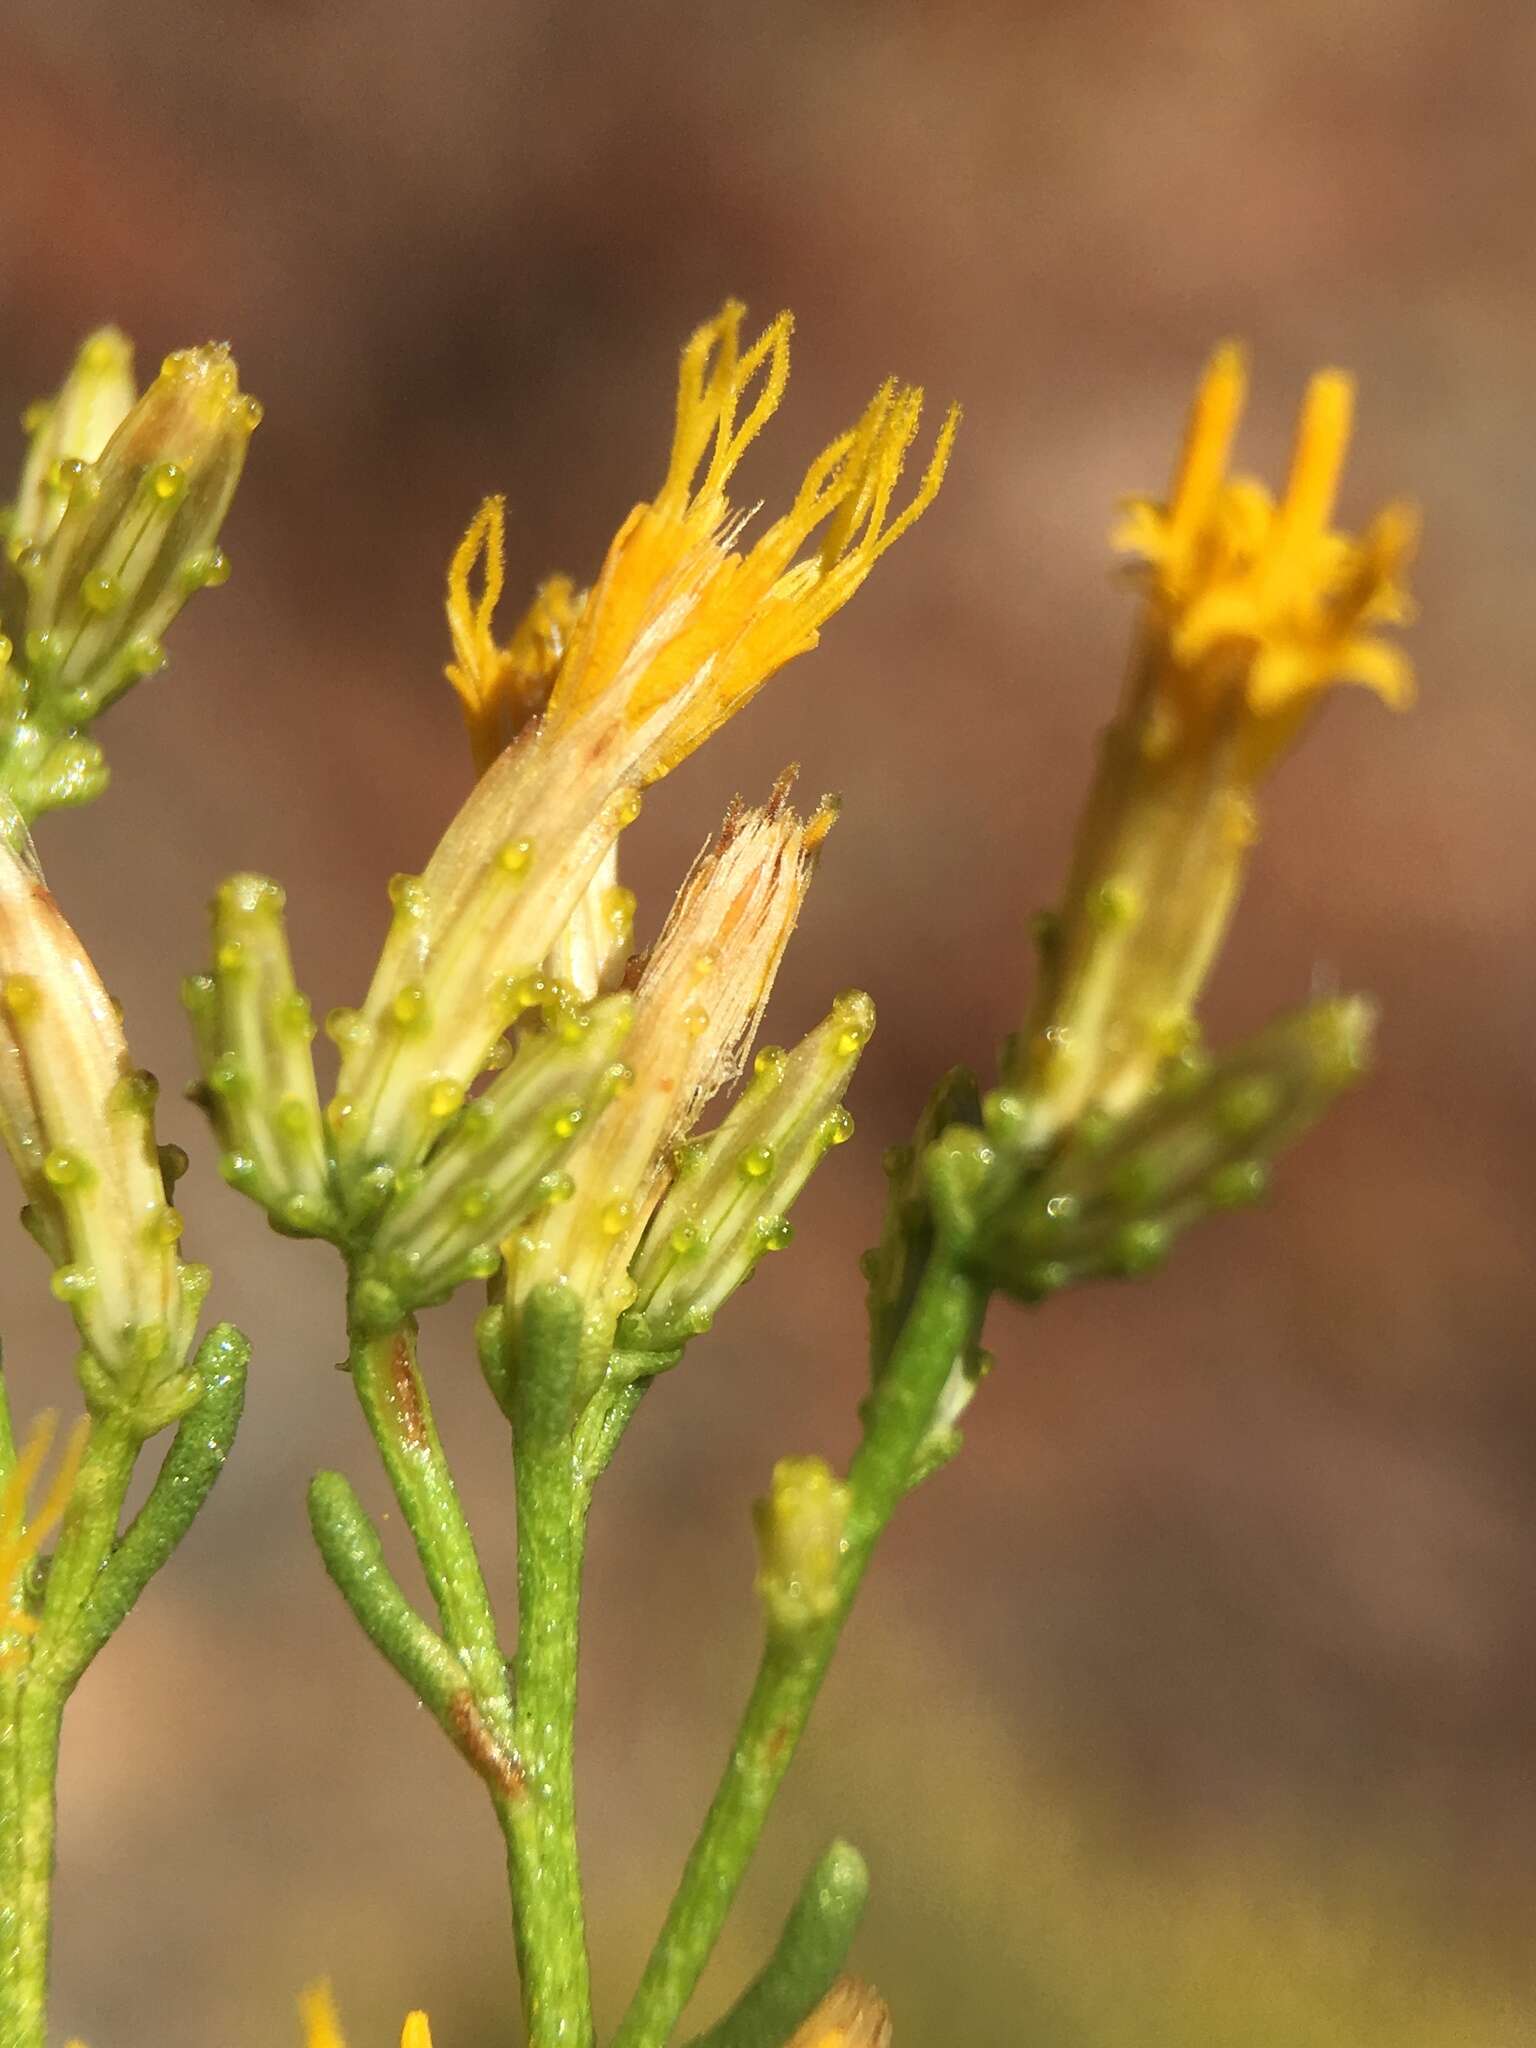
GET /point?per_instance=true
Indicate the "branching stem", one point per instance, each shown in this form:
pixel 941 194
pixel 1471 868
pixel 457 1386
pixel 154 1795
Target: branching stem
pixel 941 1322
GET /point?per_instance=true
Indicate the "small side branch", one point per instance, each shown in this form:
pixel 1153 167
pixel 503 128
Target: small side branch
pixel 806 1960
pixel 354 1557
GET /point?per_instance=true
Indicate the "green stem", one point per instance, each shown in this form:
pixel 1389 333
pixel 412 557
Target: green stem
pixel 940 1323
pixel 54 1664
pixel 531 1792
pixel 25 1926
pixel 7 1434
pixel 539 1818
pixel 10 1830
pixel 399 1415
pixel 10 1731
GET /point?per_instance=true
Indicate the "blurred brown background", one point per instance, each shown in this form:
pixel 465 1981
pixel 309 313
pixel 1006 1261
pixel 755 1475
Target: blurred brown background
pixel 1225 1617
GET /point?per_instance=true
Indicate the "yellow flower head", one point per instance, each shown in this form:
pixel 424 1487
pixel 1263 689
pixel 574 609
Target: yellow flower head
pixel 322 2029
pixel 682 625
pixel 20 1537
pixel 1255 606
pixel 1259 597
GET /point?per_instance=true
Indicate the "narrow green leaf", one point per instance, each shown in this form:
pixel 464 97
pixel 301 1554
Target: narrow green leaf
pixel 806 1960
pixel 354 1557
pixel 191 1465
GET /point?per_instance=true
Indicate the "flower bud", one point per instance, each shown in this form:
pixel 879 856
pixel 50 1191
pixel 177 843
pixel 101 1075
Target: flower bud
pixel 68 432
pixel 802 1540
pixel 77 1120
pixel 137 534
pixel 696 1009
pixel 499 1156
pixel 734 1189
pixel 1115 1196
pixel 254 1031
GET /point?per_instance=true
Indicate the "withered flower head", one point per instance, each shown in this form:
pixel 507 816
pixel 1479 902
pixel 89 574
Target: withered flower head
pixel 697 1005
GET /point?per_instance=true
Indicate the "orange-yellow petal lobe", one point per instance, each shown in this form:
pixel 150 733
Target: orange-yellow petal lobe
pixel 1317 460
pixel 416 2033
pixel 1213 422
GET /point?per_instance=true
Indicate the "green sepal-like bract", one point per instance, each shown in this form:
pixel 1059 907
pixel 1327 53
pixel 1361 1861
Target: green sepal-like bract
pixel 254 1031
pixel 1111 1198
pixel 729 1202
pixel 412 1229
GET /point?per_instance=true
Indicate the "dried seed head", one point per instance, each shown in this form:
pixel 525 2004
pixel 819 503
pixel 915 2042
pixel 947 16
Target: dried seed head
pixel 696 1009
